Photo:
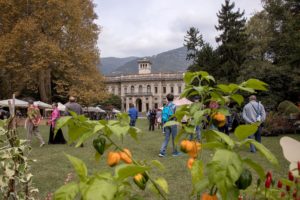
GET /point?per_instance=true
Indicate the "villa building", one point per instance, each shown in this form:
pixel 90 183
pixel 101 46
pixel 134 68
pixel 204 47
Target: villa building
pixel 145 90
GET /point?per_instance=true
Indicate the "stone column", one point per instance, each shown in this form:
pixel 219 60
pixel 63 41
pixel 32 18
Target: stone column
pixel 151 102
pixel 143 104
pixel 159 90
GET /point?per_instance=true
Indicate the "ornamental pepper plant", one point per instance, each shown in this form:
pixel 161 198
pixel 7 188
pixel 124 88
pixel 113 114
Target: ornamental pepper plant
pixel 224 176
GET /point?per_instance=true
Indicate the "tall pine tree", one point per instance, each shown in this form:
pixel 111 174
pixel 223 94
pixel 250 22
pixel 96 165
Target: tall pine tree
pixel 232 41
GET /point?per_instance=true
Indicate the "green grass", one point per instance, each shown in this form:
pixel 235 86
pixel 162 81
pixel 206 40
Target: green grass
pixel 52 166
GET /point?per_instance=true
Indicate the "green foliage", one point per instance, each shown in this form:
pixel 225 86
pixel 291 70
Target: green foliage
pixel 15 178
pixel 103 185
pixel 112 100
pixel 226 165
pixel 233 41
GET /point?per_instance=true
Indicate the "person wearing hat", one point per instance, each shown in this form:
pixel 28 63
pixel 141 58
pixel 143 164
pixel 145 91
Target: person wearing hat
pixel 32 123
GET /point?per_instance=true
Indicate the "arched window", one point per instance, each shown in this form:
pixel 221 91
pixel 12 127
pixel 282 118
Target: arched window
pixel 148 88
pixel 132 89
pixel 125 89
pixel 140 88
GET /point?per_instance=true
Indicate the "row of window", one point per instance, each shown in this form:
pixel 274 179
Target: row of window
pixel 140 90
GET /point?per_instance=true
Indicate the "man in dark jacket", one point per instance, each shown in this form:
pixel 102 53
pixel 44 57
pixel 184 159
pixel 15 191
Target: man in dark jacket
pixel 73 106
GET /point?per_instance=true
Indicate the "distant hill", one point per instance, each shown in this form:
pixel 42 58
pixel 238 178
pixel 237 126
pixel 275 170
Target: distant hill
pixel 169 61
pixel 109 64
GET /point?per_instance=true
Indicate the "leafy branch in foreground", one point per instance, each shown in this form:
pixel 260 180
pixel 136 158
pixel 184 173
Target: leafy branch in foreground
pixel 106 185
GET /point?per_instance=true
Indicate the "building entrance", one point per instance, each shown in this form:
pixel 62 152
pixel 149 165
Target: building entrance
pixel 139 105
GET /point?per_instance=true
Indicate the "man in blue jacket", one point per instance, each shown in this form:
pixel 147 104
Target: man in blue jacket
pixel 133 114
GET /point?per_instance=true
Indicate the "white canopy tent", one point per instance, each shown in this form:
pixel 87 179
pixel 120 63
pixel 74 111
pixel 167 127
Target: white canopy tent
pixel 115 110
pixel 61 107
pixel 41 104
pixel 93 109
pixel 18 103
pixel 183 101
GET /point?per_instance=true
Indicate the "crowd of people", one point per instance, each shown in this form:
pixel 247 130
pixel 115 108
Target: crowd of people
pixel 253 112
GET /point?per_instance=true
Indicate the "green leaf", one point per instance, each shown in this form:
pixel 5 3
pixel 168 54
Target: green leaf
pixel 98 127
pixel 237 98
pixel 197 171
pixel 119 130
pixel 79 167
pixel 163 184
pixel 123 171
pixel 250 90
pixel 264 151
pixel 224 111
pixel 213 145
pixel 97 156
pixel 224 169
pixel 67 192
pixel 287 182
pixel 188 77
pixel 201 185
pixel 99 189
pixel 224 88
pixel 75 130
pixel 84 137
pixel 244 131
pixel 61 122
pixel 221 136
pixel 258 168
pixel 133 131
pixel 256 84
pixel 172 123
pixel 189 129
pixel 158 164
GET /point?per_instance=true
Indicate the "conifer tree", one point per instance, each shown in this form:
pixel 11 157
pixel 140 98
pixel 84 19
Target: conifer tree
pixel 232 40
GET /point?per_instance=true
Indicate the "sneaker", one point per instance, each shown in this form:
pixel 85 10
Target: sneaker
pixel 43 144
pixel 161 155
pixel 176 154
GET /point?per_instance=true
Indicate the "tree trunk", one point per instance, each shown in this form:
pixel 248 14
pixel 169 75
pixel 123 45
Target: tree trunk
pixel 45 85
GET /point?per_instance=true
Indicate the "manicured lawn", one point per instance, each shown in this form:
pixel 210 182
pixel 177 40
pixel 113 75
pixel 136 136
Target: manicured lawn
pixel 52 166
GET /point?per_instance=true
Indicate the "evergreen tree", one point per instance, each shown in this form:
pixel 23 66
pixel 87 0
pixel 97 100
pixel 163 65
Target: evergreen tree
pixel 284 18
pixel 233 41
pixel 193 42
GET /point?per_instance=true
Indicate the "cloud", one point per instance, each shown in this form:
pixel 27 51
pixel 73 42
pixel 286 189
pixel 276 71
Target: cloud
pixel 148 27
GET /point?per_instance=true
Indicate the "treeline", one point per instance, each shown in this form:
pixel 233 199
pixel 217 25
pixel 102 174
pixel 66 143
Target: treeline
pixel 48 50
pixel 266 47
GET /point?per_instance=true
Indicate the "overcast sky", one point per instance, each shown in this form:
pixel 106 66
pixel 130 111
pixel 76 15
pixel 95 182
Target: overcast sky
pixel 149 27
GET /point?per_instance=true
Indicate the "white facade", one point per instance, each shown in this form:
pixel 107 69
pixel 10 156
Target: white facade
pixel 145 90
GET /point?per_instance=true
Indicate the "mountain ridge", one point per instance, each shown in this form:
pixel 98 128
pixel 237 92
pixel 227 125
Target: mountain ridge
pixel 169 61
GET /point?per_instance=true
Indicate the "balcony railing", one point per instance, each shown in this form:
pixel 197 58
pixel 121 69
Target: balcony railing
pixel 138 94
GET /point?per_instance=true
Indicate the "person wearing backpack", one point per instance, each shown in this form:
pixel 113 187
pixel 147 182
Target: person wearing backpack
pixel 166 116
pixel 254 112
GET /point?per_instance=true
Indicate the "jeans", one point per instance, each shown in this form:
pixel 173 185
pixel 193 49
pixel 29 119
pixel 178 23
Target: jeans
pixel 169 130
pixel 33 130
pixel 198 134
pixel 257 136
pixel 132 122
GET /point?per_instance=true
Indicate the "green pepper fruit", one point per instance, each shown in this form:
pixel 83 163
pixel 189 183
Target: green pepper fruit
pixel 140 180
pixel 99 145
pixel 244 180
